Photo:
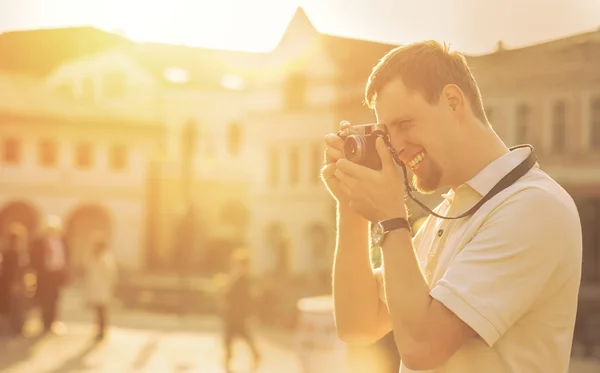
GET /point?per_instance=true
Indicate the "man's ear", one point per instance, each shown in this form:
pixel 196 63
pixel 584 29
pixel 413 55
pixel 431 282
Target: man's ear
pixel 453 98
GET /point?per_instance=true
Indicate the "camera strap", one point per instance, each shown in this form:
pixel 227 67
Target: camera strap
pixel 509 179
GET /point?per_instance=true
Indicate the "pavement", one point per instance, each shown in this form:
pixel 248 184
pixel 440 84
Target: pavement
pixel 135 350
pixel 141 342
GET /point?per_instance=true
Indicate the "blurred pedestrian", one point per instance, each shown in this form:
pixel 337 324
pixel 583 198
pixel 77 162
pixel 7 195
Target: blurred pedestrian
pixel 238 303
pixel 49 259
pixel 13 266
pixel 100 280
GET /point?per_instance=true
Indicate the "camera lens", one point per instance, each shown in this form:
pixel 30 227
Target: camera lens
pixel 354 147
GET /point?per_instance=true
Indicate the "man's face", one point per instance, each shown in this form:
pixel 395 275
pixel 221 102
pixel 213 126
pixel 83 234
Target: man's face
pixel 419 132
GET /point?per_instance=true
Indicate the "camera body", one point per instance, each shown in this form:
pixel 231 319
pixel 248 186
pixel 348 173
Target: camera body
pixel 360 144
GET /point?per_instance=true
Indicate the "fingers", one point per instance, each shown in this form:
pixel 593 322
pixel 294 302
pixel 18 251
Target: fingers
pixel 334 141
pixel 347 182
pixel 332 155
pixel 335 145
pixel 355 170
pixel 387 160
pixel 328 171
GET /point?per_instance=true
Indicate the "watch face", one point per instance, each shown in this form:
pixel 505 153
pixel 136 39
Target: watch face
pixel 376 234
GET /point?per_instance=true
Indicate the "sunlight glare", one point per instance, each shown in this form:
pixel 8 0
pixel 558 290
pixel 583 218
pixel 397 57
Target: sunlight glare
pixel 232 82
pixel 222 24
pixel 176 75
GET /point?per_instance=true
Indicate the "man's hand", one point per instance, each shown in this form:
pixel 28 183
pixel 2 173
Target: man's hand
pixel 374 194
pixel 334 151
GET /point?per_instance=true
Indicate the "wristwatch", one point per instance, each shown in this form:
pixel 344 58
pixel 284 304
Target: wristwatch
pixel 380 229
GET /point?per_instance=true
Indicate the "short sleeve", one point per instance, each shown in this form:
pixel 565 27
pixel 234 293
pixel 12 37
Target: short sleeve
pixel 495 278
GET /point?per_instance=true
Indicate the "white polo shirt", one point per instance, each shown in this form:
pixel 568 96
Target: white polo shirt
pixel 511 270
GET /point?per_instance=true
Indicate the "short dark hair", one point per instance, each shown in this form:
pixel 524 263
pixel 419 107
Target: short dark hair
pixel 426 67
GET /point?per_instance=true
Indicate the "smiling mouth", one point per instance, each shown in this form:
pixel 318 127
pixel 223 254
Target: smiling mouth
pixel 416 161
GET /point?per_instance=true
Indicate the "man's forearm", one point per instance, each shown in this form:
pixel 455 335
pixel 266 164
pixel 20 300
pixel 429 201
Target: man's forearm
pixel 406 290
pixel 355 291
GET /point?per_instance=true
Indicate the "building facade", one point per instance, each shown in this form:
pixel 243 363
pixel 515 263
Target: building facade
pixel 71 161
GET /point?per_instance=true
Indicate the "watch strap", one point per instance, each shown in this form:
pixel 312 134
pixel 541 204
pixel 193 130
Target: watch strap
pixel 395 224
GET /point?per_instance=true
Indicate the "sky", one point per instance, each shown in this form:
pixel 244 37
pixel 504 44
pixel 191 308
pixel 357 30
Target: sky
pixel 471 26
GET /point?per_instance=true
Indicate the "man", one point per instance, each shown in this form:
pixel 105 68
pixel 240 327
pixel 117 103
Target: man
pixel 238 305
pixel 49 258
pixel 13 265
pixel 495 291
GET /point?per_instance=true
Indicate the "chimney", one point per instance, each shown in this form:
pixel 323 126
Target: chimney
pixel 500 46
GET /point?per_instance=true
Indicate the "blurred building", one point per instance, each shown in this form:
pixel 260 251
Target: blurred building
pixel 89 167
pixel 198 98
pixel 246 130
pixel 548 95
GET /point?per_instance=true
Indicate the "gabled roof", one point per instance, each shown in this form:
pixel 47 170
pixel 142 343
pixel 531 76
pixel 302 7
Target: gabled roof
pixel 38 52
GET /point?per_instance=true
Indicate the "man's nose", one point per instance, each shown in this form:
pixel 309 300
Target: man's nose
pixel 398 144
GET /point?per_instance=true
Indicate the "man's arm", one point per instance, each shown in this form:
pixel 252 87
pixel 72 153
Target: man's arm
pixel 426 332
pixel 360 316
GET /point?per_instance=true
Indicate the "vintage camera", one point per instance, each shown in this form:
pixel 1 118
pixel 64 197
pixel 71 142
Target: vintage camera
pixel 359 144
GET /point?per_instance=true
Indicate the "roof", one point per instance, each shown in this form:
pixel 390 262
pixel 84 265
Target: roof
pixel 549 58
pixel 38 52
pixel 25 97
pixel 355 58
pixel 205 67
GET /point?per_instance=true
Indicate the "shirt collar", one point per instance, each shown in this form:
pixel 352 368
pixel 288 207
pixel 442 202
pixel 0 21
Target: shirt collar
pixel 491 174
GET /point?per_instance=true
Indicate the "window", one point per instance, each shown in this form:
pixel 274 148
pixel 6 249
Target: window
pixel 47 153
pixel 113 84
pixel 595 123
pixel 273 167
pixel 118 158
pixel 294 166
pixel 83 156
pixel 522 126
pixel 295 92
pixel 559 119
pixel 189 139
pixel 11 151
pixel 589 214
pixel 234 138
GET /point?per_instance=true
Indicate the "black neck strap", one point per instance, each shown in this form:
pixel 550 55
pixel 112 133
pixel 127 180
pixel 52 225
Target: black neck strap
pixel 509 179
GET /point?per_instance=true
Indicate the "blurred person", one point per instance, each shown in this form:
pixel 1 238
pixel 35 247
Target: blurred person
pixel 238 305
pixel 13 267
pixel 49 259
pixel 494 290
pixel 100 280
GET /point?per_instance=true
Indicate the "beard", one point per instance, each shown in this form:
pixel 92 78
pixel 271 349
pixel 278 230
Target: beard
pixel 430 181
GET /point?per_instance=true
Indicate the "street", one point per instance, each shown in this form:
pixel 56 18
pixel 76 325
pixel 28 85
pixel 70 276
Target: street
pixel 141 342
pixel 135 350
pixel 138 342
